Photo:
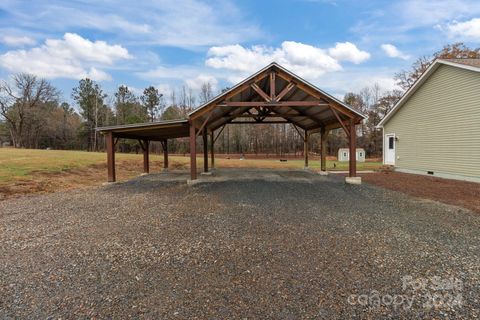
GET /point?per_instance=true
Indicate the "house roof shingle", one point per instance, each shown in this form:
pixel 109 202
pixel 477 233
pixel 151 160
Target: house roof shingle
pixel 468 62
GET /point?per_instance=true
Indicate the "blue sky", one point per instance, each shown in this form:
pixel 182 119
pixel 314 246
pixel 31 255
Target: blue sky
pixel 338 45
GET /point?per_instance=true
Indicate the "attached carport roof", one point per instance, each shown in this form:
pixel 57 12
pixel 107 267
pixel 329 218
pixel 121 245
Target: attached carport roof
pixel 155 131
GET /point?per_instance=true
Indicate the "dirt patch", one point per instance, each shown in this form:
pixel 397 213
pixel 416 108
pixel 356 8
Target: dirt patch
pixel 460 193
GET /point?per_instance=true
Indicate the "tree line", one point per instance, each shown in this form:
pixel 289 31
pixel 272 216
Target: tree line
pixel 33 115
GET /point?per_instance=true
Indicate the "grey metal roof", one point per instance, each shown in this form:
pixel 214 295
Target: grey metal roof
pixel 141 125
pixel 158 130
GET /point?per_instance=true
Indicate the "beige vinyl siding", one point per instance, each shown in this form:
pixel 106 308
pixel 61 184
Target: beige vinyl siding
pixel 438 128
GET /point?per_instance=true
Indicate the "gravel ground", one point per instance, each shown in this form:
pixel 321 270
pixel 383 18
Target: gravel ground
pixel 276 244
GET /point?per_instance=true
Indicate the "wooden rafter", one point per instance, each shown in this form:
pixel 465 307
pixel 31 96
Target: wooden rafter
pixel 290 86
pixel 273 104
pixel 266 122
pixel 306 115
pixel 340 121
pixel 299 133
pixel 270 115
pixel 218 135
pixel 214 103
pixel 272 86
pixel 204 123
pixel 143 146
pixel 316 95
pixel 286 116
pixel 164 143
pixel 260 92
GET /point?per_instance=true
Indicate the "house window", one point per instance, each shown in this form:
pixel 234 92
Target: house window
pixel 391 143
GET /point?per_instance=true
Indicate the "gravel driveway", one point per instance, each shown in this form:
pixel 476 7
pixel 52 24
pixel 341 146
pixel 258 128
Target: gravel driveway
pixel 267 244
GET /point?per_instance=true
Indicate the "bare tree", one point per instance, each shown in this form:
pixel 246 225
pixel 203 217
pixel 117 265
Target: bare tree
pixel 406 78
pixel 206 92
pixel 22 99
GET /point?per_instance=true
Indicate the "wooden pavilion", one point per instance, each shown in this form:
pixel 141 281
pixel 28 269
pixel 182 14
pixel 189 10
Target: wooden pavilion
pixel 272 95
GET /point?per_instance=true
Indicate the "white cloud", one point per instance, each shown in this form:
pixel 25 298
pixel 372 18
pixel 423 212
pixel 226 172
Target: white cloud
pixel 467 30
pixel 347 51
pixel 354 80
pixel 192 76
pixel 164 88
pixel 414 13
pixel 233 63
pixel 177 72
pixel 17 41
pixel 393 51
pixel 306 60
pixel 197 82
pixel 71 57
pixel 411 21
pixel 181 23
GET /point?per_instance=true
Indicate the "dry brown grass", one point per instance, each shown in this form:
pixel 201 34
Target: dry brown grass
pixel 40 171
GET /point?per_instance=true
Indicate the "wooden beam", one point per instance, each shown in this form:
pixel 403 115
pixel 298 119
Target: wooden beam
pixel 204 123
pixel 284 115
pixel 255 104
pixel 299 133
pixel 165 153
pixel 227 118
pixel 261 122
pixel 323 149
pixel 218 135
pixel 212 149
pixel 234 92
pixel 305 148
pixel 260 92
pixel 193 153
pixel 306 115
pixel 146 160
pixel 352 167
pixel 340 121
pixel 272 86
pixel 272 115
pixel 205 151
pixel 290 86
pixel 318 95
pixel 110 156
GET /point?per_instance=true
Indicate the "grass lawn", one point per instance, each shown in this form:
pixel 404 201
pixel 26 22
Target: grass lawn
pixel 38 171
pixel 22 163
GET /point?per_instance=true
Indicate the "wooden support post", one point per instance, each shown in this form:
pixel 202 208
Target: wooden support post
pixel 323 149
pixel 352 167
pixel 146 161
pixel 165 153
pixel 272 86
pixel 110 156
pixel 305 148
pixel 193 153
pixel 212 150
pixel 205 151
